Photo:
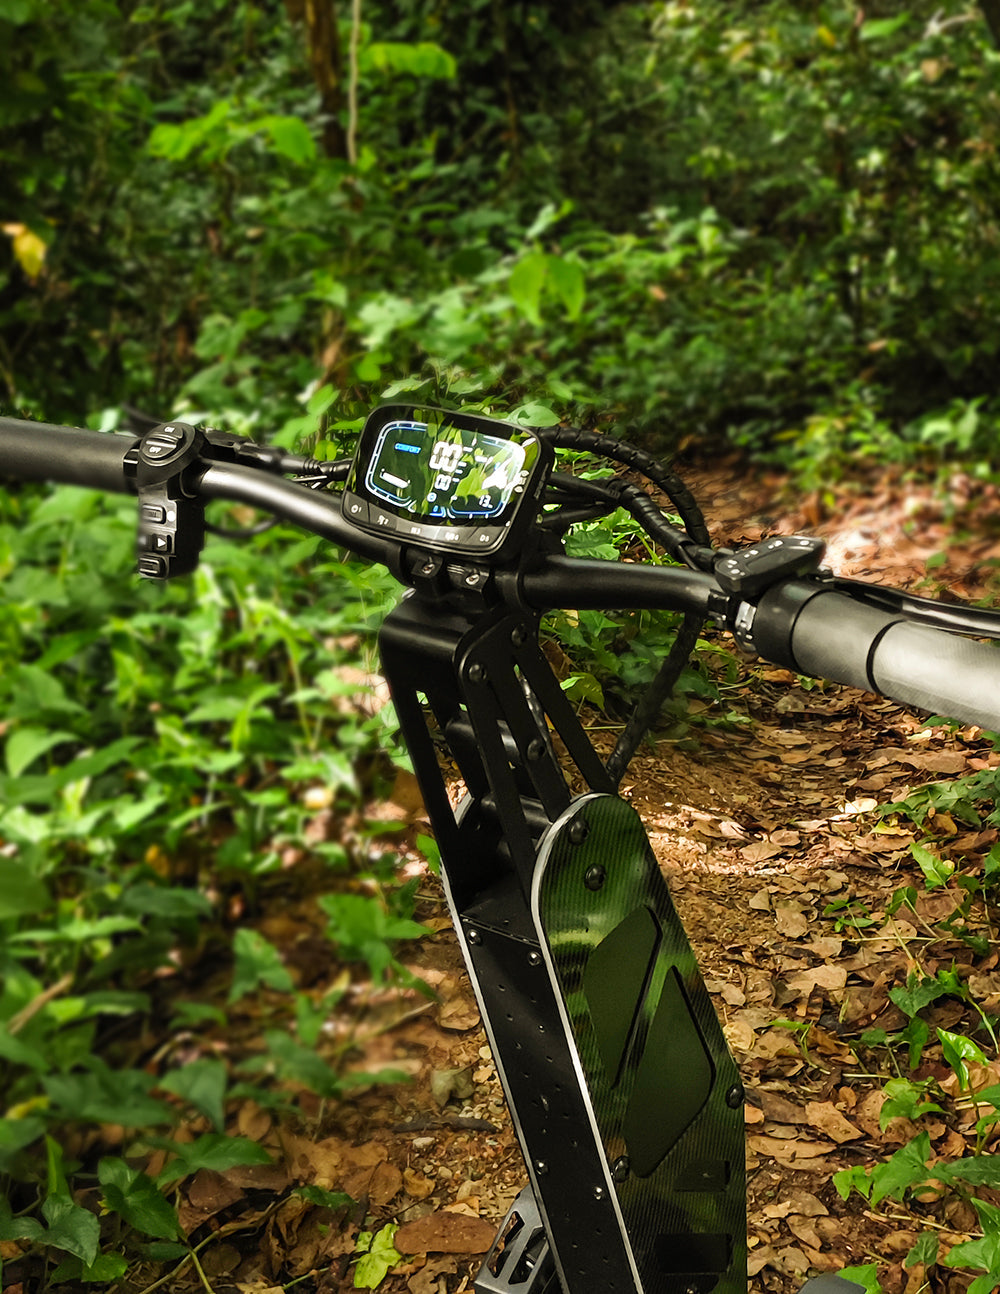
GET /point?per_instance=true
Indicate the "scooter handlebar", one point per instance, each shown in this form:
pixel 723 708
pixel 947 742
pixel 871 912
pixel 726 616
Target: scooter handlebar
pixel 800 623
pixel 40 451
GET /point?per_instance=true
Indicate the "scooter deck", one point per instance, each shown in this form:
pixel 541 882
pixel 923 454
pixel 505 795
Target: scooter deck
pixel 627 1102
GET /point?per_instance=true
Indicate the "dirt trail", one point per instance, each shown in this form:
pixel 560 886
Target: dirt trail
pixel 761 829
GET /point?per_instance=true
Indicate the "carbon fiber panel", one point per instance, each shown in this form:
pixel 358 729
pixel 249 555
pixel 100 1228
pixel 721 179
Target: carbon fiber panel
pixel 661 1082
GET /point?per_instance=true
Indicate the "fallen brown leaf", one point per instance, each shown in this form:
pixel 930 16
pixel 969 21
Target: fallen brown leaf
pixel 209 1192
pixel 459 1013
pixel 386 1183
pixel 790 921
pixel 803 1203
pixel 779 1109
pixel 445 1233
pixel 428 1279
pixel 416 1185
pixel 253 1122
pixel 739 1035
pixel 832 978
pixel 787 1150
pixel 759 851
pixel 804 1229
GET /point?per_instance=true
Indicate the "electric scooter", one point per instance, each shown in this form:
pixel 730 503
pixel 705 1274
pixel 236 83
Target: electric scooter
pixel 624 1096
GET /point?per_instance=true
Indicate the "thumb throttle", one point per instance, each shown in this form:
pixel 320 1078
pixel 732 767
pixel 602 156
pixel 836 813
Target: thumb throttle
pixel 171 519
pixel 747 572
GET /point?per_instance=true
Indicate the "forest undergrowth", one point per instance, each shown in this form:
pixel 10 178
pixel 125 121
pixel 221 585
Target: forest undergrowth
pixel 318 1110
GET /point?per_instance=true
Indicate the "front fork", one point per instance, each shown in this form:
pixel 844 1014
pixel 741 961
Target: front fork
pixel 625 1099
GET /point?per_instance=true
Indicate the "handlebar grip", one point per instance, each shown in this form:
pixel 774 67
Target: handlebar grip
pixel 940 672
pixel 828 634
pixel 40 451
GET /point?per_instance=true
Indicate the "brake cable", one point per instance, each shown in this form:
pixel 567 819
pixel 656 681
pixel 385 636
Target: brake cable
pixel 628 455
pixel 980 622
pixel 315 473
pixel 691 546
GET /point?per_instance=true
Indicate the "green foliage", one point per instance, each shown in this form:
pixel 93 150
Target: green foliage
pixel 982 1254
pixel 749 178
pixel 256 962
pixel 137 1200
pixel 364 929
pixel 866 1276
pixel 145 728
pixel 905 1099
pixel 378 1256
pixel 916 1169
pixel 213 1151
pixel 617 656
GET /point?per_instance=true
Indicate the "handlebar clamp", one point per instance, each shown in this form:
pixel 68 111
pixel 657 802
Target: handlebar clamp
pixel 171 518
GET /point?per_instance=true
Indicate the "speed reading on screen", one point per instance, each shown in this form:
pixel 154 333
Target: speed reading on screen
pixel 445 480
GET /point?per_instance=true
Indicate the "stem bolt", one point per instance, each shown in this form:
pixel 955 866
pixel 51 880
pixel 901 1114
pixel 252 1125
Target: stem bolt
pixel 620 1169
pixel 734 1097
pixel 579 831
pixel 595 877
pixel 477 673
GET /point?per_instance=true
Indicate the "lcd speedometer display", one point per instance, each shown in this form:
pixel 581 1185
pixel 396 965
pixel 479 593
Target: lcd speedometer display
pixel 444 472
pixel 445 480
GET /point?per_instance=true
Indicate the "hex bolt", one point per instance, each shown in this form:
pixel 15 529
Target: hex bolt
pixel 472 579
pixel 595 877
pixel 534 959
pixel 579 831
pixel 620 1169
pixel 541 1167
pixel 476 673
pixel 536 748
pixel 734 1097
pixel 599 1192
pixel 475 937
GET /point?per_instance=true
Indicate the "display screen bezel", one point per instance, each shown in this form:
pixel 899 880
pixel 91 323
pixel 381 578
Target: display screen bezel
pixel 423 504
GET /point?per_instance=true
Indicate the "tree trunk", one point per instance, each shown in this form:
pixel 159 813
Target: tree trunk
pixel 326 65
pixel 991 11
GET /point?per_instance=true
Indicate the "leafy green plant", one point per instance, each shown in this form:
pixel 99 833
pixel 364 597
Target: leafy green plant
pixel 156 742
pixel 377 1258
pixel 364 928
pixel 966 1049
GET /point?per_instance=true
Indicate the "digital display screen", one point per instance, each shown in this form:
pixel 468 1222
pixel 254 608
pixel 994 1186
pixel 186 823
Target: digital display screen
pixel 444 472
pixel 446 480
